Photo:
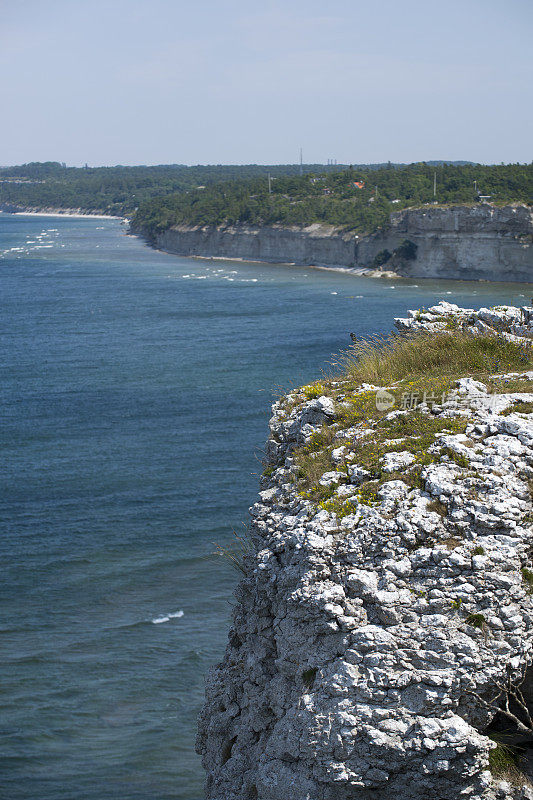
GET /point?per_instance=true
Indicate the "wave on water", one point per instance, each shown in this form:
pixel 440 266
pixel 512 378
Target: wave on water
pixel 167 617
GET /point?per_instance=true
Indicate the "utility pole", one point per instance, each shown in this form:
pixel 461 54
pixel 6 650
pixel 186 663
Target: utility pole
pixel 301 162
pixel 269 184
pixel 434 185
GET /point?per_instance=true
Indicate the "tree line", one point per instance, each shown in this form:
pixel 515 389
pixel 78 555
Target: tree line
pixel 354 198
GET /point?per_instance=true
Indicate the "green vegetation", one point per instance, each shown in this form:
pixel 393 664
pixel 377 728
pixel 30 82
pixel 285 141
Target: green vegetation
pixel 432 357
pixel 417 363
pixel 336 197
pixel 527 575
pixel 355 198
pixel 308 677
pixel 311 466
pixel 509 385
pixel 342 508
pixel 501 759
pixel 313 390
pixel 504 761
pixel 119 190
pixel 477 621
pixel 236 556
pixel 457 458
pixel 520 407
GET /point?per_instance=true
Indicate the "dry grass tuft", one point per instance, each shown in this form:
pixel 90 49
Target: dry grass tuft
pixel 383 360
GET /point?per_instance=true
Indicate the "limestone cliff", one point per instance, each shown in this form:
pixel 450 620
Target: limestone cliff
pixel 472 243
pixel 385 614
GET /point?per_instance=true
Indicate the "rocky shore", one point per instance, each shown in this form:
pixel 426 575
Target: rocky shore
pixel 384 622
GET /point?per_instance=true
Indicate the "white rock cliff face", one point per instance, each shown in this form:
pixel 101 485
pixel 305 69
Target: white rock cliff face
pixel 469 243
pixel 368 643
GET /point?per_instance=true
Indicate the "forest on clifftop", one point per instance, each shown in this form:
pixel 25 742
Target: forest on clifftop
pixel 120 190
pixel 353 199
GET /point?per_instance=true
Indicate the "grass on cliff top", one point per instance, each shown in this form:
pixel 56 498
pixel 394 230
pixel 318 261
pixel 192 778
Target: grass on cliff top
pixel 421 363
pixel 385 360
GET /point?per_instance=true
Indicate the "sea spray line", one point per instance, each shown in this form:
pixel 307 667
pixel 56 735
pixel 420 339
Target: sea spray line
pixel 160 620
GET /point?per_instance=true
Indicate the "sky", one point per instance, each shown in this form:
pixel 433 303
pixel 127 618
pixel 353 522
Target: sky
pixel 240 81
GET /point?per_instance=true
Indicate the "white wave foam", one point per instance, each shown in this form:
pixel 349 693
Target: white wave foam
pixel 167 617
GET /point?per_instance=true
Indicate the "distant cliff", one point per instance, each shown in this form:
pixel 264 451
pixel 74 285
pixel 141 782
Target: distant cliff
pixel 478 242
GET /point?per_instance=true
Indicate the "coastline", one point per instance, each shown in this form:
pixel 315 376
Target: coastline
pixel 61 214
pixel 467 243
pixel 366 272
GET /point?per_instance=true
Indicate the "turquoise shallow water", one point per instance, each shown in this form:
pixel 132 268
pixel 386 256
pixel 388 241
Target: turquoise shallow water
pixel 134 404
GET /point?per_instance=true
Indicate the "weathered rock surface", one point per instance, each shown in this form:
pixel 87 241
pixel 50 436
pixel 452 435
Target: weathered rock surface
pixel 367 643
pixel 508 321
pixel 471 243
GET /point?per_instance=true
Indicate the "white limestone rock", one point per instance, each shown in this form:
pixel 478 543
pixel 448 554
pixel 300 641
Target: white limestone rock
pixel 360 645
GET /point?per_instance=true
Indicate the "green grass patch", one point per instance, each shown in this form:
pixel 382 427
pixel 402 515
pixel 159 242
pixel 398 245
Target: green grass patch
pixel 385 360
pixel 311 467
pixel 476 621
pixel 341 508
pixel 457 458
pixel 527 575
pixel 312 390
pixel 418 365
pixel 320 440
pixel 367 494
pixel 308 677
pixel 509 385
pixel 520 407
pixel 504 763
pixel 502 758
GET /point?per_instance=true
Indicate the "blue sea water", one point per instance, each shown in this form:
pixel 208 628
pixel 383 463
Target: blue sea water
pixel 135 398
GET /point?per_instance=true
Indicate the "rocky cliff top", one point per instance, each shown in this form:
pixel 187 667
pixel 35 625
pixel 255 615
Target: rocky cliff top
pixel 383 629
pixel 478 218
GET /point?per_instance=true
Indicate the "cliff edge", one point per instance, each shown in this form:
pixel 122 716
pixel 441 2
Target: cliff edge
pixel 383 630
pixel 480 242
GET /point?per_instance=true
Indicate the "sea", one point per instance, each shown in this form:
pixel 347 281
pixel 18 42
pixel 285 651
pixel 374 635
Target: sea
pixel 135 396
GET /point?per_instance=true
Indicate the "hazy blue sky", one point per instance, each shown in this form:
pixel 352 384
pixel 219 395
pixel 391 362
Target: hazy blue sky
pixel 238 81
